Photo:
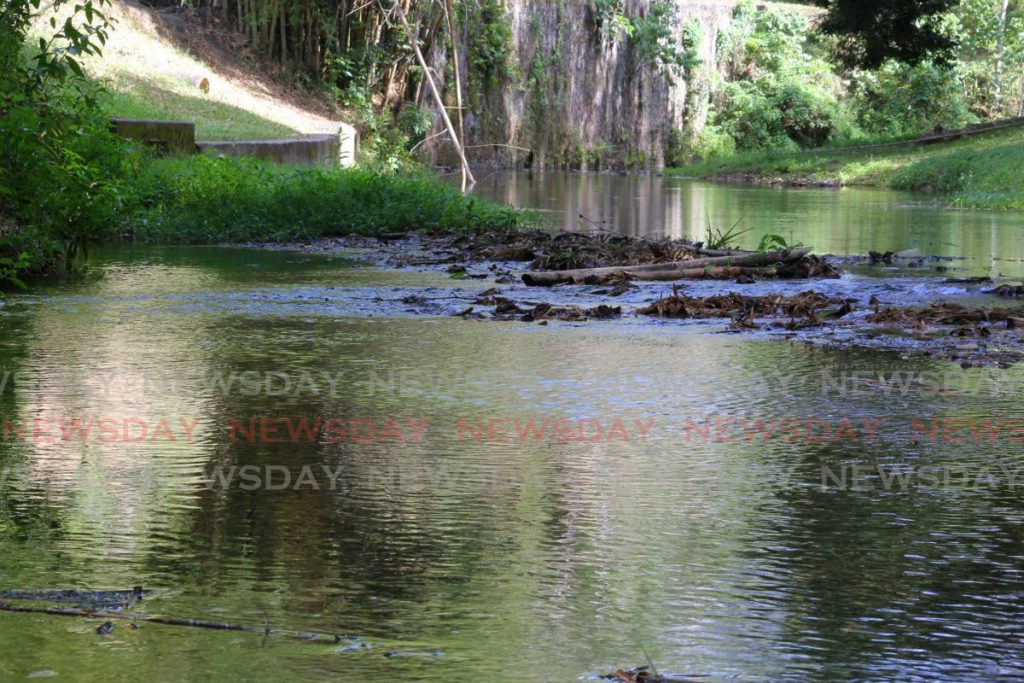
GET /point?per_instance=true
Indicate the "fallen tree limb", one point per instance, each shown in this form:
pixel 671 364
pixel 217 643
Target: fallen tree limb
pixel 755 259
pixel 169 621
pixel 709 272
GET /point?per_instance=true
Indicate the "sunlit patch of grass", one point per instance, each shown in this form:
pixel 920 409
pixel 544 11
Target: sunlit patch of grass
pixel 148 76
pixel 984 171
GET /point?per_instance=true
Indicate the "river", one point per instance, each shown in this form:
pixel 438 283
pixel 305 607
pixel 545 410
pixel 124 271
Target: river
pixel 504 501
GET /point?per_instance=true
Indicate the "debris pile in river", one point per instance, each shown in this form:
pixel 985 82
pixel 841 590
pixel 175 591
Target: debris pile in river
pixel 643 674
pixel 950 314
pixel 804 309
pixel 569 250
pixel 1007 291
pixel 943 330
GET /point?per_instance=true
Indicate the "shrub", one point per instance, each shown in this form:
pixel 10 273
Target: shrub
pixel 61 171
pixel 900 100
pixel 712 143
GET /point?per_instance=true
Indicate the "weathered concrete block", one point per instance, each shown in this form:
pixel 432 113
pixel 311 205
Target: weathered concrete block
pixel 306 150
pixel 349 145
pixel 170 137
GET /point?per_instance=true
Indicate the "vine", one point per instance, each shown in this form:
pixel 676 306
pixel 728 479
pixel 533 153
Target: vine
pixel 651 34
pixel 489 44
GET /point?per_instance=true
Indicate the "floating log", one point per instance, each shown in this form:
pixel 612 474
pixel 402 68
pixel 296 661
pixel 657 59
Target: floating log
pixel 119 599
pixel 169 621
pixel 581 275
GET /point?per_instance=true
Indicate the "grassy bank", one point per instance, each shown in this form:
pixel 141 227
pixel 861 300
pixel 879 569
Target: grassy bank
pixel 210 200
pixel 149 67
pixel 985 172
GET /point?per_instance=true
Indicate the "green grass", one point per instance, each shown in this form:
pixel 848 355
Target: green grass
pixel 215 120
pixel 202 200
pixel 986 171
pixel 148 75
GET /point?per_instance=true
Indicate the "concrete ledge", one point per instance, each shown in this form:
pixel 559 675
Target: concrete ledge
pixel 307 150
pixel 179 137
pixel 170 137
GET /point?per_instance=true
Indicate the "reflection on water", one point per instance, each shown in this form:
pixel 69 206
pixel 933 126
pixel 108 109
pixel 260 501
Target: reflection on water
pixel 482 545
pixel 847 221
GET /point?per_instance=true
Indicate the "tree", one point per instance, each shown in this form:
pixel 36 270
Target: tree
pixel 870 32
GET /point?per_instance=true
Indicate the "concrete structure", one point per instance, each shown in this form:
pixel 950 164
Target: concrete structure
pixel 308 150
pixel 178 137
pixel 170 137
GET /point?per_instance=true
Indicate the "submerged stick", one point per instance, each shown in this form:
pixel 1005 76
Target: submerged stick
pixel 170 621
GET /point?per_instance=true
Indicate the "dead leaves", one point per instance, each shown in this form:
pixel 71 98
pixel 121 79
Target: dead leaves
pixel 802 309
pixel 1008 291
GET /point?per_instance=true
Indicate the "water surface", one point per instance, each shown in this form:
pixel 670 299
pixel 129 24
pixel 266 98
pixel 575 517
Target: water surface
pixel 849 221
pixel 475 552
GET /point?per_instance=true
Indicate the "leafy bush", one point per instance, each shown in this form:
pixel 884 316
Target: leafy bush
pixel 900 100
pixel 780 93
pixel 62 172
pixel 713 143
pixel 489 50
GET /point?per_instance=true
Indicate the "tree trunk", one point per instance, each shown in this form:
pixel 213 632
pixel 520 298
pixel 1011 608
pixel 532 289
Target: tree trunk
pixel 1000 58
pixel 284 34
pixel 711 273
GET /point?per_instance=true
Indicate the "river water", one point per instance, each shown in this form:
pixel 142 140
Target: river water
pixel 504 501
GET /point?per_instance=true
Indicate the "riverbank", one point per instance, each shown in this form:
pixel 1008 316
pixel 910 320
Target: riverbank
pixel 984 172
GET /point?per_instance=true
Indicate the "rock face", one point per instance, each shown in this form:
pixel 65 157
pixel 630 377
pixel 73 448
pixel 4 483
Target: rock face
pixel 576 98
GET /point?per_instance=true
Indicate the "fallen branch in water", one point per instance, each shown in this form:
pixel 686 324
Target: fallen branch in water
pixel 169 621
pixel 709 272
pixel 582 275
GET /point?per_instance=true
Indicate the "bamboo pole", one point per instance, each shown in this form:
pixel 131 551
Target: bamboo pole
pixel 449 11
pixel 437 95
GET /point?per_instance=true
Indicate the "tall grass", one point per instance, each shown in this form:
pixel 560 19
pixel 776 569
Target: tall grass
pixel 210 200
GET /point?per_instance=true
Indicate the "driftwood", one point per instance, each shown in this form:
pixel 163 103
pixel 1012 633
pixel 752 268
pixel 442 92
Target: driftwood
pixel 709 272
pixel 581 275
pixel 169 621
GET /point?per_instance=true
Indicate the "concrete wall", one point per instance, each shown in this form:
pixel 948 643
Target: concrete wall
pixel 178 137
pixel 170 137
pixel 307 150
